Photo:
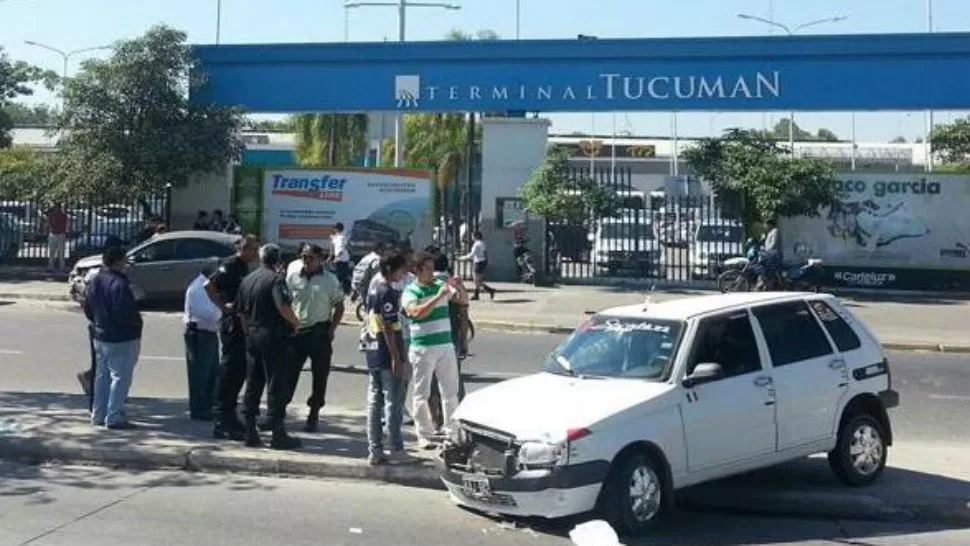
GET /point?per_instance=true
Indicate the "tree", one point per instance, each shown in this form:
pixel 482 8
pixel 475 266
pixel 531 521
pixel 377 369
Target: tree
pixel 826 135
pixel 26 174
pixel 558 195
pixel 315 133
pixel 16 78
pixel 40 115
pixel 270 125
pixel 951 141
pixel 898 140
pixel 745 168
pixel 130 126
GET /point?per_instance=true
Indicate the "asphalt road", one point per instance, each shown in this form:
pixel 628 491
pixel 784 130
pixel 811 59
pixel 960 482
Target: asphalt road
pixel 86 506
pixel 41 349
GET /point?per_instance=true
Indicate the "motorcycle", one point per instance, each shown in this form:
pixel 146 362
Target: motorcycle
pixel 525 263
pixel 747 273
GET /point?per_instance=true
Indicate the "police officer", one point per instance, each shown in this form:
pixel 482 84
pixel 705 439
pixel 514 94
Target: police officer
pixel 222 288
pixel 264 304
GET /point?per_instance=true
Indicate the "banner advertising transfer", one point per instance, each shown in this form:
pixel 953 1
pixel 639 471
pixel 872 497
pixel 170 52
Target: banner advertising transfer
pixel 887 224
pixel 375 205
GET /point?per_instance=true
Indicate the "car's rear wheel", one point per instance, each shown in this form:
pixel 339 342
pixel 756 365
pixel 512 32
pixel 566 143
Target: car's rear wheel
pixel 634 499
pixel 860 454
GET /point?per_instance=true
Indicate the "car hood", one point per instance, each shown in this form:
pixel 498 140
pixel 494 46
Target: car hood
pixel 544 406
pixel 88 263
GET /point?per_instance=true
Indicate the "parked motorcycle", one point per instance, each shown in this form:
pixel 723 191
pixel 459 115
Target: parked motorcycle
pixel 741 273
pixel 525 263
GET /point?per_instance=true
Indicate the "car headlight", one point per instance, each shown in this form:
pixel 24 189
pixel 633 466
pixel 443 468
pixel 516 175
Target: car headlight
pixel 543 455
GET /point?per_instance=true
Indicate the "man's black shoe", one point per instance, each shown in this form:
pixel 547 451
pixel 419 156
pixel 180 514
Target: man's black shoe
pixel 123 425
pixel 281 440
pixel 312 421
pixel 221 432
pixel 265 425
pixel 252 436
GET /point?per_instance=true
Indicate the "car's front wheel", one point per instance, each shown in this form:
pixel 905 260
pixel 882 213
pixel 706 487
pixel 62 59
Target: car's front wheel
pixel 634 499
pixel 860 454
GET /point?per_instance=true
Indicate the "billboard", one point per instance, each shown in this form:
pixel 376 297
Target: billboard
pixel 885 224
pixel 303 205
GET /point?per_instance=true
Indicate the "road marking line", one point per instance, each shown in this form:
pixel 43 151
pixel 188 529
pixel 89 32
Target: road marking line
pixel 10 352
pixel 165 358
pixel 949 397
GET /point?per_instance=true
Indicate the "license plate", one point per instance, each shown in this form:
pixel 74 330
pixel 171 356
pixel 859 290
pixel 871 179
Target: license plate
pixel 476 487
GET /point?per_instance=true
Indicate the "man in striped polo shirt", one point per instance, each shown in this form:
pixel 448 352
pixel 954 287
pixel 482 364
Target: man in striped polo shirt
pixel 432 349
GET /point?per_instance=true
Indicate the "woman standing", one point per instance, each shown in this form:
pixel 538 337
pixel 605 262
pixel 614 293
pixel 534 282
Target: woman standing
pixel 479 257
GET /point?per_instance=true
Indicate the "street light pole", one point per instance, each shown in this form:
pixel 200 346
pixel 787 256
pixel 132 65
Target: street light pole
pixel 65 55
pixel 402 12
pixel 791 32
pixel 518 19
pixel 218 20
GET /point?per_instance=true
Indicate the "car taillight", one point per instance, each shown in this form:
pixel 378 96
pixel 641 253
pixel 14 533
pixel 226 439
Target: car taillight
pixel 575 434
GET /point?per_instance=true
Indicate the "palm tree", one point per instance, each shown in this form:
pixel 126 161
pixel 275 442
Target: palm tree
pixel 332 140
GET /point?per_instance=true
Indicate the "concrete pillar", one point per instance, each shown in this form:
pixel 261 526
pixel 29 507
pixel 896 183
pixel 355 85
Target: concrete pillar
pixel 512 148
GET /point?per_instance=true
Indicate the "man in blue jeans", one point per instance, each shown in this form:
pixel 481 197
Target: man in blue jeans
pixel 386 358
pixel 111 307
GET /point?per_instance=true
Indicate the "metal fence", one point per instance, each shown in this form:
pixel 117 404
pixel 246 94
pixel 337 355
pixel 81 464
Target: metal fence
pixel 661 237
pixel 93 224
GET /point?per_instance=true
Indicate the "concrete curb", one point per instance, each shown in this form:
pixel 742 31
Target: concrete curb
pixel 718 499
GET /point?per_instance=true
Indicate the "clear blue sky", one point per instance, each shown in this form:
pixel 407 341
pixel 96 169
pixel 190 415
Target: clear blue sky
pixel 76 24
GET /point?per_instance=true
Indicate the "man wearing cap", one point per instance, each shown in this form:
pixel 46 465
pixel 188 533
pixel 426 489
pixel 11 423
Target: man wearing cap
pixel 318 301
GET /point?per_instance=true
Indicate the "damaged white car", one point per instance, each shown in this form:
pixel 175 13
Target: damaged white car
pixel 643 400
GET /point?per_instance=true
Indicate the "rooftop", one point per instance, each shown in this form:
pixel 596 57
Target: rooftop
pixel 687 308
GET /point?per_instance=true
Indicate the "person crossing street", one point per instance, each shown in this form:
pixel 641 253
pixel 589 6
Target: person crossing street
pixel 318 302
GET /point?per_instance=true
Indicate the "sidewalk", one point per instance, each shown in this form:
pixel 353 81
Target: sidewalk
pixel 902 322
pixel 925 482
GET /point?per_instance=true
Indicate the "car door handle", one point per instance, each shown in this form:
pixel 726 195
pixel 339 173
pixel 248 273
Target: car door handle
pixel 762 381
pixel 837 364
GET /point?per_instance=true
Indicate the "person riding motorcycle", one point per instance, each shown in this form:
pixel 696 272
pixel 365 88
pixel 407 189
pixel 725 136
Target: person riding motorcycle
pixel 771 255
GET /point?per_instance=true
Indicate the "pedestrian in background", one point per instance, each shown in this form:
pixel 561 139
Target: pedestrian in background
pixel 86 377
pixel 57 221
pixel 222 288
pixel 201 336
pixel 111 306
pixel 340 257
pixel 264 303
pixel 218 223
pixel 318 302
pixel 479 258
pixel 387 386
pixel 201 221
pixel 431 351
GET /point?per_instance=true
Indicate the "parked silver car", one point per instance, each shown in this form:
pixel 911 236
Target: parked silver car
pixel 163 266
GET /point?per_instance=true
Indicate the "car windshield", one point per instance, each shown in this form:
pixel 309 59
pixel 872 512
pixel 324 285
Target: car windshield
pixel 628 347
pixel 627 231
pixel 726 234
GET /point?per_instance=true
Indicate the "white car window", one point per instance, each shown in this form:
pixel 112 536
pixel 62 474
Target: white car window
pixel 627 347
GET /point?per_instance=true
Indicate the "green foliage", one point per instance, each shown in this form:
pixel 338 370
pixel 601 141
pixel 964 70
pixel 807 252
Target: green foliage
pixel 314 133
pixel 951 141
pixel 40 115
pixel 780 133
pixel 26 174
pixel 746 169
pixel 269 125
pixel 16 78
pixel 130 127
pixel 556 194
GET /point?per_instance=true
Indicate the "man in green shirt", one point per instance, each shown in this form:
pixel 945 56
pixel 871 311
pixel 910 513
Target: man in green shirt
pixel 318 301
pixel 432 349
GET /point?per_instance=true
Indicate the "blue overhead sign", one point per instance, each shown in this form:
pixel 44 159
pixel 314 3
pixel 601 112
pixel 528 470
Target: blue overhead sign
pixel 820 73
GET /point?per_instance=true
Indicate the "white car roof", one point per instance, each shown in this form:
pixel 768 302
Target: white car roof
pixel 687 308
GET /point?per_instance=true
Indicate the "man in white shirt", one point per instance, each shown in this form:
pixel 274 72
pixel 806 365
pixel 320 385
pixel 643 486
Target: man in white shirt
pixel 201 320
pixel 340 256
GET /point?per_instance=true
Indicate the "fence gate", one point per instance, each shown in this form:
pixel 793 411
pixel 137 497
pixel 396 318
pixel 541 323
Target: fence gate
pixel 92 225
pixel 654 237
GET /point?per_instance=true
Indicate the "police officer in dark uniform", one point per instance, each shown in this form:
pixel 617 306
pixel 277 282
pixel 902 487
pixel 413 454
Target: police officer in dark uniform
pixel 222 288
pixel 264 305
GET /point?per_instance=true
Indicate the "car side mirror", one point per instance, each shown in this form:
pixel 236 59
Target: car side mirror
pixel 705 372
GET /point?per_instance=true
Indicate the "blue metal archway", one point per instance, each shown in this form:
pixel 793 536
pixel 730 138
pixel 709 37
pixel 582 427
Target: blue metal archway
pixel 807 73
